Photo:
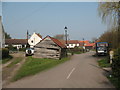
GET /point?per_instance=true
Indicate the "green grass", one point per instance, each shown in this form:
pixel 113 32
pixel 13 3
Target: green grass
pixel 35 65
pixel 74 52
pixel 103 63
pixel 17 60
pixel 78 52
pixel 5 60
pixel 115 81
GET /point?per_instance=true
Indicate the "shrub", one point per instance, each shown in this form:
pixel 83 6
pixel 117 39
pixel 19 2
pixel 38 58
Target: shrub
pixel 116 63
pixel 22 49
pixel 76 49
pixel 10 47
pixel 5 53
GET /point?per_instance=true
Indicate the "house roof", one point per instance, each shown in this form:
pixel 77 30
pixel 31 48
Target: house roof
pixel 85 41
pixel 62 41
pixel 39 35
pixel 58 42
pixel 73 42
pixel 70 41
pixel 90 44
pixel 15 41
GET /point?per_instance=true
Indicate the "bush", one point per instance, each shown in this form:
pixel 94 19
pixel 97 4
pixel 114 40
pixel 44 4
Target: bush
pixel 116 63
pixel 5 53
pixel 22 49
pixel 10 47
pixel 77 49
pixel 5 60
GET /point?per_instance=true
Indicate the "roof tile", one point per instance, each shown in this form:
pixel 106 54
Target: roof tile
pixel 15 41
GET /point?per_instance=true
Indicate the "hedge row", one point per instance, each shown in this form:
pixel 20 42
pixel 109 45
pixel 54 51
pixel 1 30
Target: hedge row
pixel 5 53
pixel 116 63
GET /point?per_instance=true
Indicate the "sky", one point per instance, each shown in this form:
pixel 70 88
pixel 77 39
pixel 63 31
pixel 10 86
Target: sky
pixel 0 8
pixel 50 18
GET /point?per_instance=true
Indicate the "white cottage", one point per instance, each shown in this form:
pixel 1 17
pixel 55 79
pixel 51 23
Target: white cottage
pixel 73 43
pixel 34 39
pixel 18 43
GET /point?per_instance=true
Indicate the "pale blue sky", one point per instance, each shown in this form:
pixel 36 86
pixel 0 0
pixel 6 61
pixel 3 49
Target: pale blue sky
pixel 50 18
pixel 0 8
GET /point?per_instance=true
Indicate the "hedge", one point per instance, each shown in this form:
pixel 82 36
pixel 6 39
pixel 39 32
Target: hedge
pixel 22 49
pixel 116 63
pixel 10 47
pixel 5 53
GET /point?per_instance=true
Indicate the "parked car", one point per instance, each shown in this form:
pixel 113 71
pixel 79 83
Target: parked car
pixel 101 48
pixel 29 52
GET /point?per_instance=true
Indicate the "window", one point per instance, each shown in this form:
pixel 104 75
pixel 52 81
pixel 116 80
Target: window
pixel 32 41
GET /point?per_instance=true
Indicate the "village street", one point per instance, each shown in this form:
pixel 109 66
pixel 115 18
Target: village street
pixel 82 71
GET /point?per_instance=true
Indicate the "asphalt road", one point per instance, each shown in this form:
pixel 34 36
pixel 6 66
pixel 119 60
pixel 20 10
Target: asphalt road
pixel 82 71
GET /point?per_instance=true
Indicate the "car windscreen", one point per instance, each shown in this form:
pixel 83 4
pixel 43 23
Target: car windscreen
pixel 102 48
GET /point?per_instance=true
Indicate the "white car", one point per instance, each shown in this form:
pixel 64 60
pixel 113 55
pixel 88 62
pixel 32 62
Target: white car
pixel 29 52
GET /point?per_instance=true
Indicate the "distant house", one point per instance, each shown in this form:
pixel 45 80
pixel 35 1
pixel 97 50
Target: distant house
pixel 18 43
pixel 85 42
pixel 90 46
pixel 50 48
pixel 34 39
pixel 2 34
pixel 73 43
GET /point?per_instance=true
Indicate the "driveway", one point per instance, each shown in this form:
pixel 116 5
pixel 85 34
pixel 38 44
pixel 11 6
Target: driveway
pixel 9 72
pixel 82 71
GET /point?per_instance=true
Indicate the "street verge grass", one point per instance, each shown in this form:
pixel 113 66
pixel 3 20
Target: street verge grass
pixel 17 60
pixel 103 63
pixel 78 52
pixel 35 65
pixel 115 81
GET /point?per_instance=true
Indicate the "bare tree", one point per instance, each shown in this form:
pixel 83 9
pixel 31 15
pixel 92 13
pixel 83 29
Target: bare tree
pixel 110 14
pixel 59 36
pixel 109 11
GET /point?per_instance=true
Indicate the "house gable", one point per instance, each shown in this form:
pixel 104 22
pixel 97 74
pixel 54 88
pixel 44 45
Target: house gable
pixel 34 39
pixel 47 42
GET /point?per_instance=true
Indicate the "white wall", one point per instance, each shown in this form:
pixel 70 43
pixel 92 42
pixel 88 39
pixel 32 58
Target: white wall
pixel 72 45
pixel 34 39
pixel 2 36
pixel 17 45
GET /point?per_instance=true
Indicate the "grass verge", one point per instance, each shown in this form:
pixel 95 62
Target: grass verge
pixel 103 63
pixel 78 52
pixel 115 81
pixel 35 65
pixel 5 60
pixel 17 60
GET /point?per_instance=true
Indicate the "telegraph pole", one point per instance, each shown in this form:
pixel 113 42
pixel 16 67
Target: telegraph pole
pixel 27 34
pixel 83 45
pixel 66 35
pixel 27 39
pixel 66 38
